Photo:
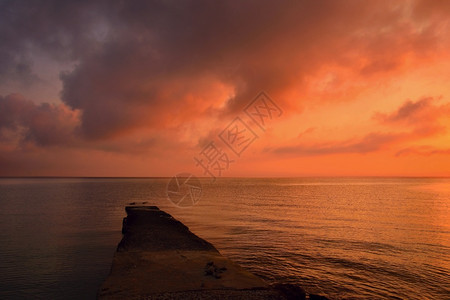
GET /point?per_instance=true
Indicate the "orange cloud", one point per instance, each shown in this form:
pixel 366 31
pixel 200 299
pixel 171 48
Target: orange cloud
pixel 416 113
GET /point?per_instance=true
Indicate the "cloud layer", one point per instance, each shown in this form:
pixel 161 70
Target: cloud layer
pixel 155 74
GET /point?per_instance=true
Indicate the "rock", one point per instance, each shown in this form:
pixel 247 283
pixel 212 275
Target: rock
pixel 147 228
pixel 213 270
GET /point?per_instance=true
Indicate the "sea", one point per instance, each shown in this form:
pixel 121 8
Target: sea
pixel 344 238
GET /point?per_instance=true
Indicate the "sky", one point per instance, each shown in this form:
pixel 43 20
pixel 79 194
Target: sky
pixel 225 88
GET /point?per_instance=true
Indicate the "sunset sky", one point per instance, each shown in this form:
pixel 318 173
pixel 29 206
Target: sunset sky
pixel 143 88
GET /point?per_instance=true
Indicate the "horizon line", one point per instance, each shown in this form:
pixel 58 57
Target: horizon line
pixel 223 177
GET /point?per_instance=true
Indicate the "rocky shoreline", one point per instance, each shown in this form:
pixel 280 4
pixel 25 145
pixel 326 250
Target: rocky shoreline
pixel 160 258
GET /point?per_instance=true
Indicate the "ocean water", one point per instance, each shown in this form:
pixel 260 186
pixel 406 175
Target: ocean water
pixel 346 238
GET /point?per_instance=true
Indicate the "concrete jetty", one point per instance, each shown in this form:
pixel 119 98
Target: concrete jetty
pixel 160 258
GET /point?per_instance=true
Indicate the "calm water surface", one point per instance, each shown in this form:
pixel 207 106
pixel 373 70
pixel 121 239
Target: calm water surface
pixel 348 238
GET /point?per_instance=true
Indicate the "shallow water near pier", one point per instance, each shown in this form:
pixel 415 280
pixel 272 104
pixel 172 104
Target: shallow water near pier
pixel 347 238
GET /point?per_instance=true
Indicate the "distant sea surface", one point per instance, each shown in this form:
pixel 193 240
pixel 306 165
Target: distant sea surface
pixel 346 238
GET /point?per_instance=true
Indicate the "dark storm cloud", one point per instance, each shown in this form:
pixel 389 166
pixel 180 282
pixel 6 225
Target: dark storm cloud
pixel 152 63
pixel 61 29
pixel 158 52
pixel 44 124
